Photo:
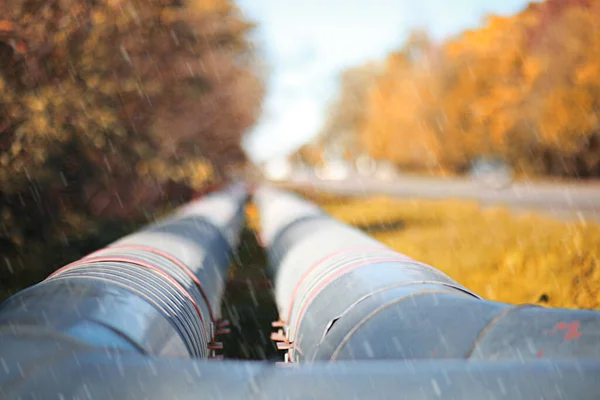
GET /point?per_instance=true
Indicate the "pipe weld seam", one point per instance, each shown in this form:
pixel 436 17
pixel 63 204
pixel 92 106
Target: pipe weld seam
pixel 336 274
pixel 372 314
pixel 490 325
pixel 391 287
pixel 323 260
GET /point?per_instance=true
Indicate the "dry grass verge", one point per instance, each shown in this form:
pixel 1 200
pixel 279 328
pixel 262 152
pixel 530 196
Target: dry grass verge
pixel 502 256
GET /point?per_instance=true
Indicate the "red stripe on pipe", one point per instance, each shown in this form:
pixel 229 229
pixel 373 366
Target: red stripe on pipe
pixel 171 258
pixel 140 263
pixel 313 293
pixel 327 258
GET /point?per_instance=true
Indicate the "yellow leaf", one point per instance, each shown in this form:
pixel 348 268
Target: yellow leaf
pixel 93 82
pixel 589 73
pixel 16 148
pixel 35 103
pixel 40 124
pixel 98 17
pixel 168 15
pixel 6 26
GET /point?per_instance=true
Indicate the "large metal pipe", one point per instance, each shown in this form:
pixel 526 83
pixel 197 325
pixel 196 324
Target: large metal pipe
pixel 95 334
pixel 156 292
pixel 342 295
pixel 61 368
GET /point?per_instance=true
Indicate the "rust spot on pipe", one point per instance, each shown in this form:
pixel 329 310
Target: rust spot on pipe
pixel 572 329
pixel 540 354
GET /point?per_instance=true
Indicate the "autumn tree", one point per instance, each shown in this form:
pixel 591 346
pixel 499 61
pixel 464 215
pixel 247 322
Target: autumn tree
pixel 346 113
pixel 309 154
pixel 113 109
pixel 402 113
pixel 523 88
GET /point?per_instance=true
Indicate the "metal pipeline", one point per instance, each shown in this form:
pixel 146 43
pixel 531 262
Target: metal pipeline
pixel 154 292
pixel 342 295
pixel 95 333
pixel 57 368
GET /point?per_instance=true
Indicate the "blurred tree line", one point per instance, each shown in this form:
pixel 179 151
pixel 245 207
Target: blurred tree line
pixel 341 134
pixel 524 89
pixel 112 111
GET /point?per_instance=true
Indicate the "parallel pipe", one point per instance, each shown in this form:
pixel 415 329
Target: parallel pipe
pixel 95 333
pixel 342 295
pixel 157 291
pixel 57 368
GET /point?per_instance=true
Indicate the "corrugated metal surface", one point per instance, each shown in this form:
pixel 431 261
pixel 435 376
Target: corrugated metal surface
pixel 156 291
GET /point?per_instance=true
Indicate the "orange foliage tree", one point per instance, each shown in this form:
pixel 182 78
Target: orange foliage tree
pixel 523 88
pixel 340 135
pixel 346 112
pixel 113 109
pixel 310 154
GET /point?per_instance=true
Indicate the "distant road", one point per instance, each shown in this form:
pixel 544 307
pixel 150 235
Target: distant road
pixel 565 201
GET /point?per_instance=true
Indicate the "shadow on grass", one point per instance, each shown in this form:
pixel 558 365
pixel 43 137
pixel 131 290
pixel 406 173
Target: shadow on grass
pixel 378 227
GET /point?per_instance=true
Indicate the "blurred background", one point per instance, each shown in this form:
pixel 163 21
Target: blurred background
pixel 464 134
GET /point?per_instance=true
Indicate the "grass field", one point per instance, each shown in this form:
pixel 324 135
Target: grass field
pixel 505 257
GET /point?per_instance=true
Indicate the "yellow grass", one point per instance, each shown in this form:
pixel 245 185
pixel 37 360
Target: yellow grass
pixel 504 257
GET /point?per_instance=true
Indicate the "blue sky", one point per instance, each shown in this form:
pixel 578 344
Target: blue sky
pixel 308 43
